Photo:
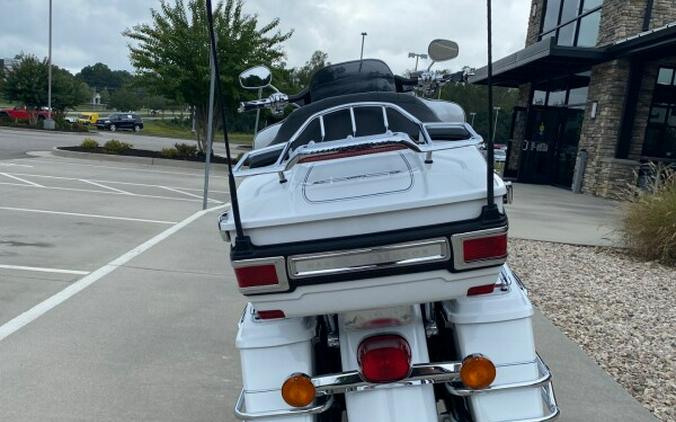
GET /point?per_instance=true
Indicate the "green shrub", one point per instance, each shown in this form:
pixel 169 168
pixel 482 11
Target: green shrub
pixel 186 151
pixel 169 153
pixel 650 218
pixel 89 144
pixel 116 147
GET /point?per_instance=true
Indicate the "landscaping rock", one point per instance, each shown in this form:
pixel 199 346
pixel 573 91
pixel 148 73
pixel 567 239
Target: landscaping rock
pixel 621 311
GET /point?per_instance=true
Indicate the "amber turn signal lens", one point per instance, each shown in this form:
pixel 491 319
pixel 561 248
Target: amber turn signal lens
pixel 298 390
pixel 477 372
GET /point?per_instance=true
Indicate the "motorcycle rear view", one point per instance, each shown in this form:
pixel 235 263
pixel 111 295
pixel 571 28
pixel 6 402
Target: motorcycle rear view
pixel 369 236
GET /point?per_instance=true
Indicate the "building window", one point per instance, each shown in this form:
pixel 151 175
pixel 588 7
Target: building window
pixel 573 22
pixel 571 91
pixel 660 136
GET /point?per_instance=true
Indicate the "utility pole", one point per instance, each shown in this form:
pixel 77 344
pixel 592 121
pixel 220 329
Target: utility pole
pixel 361 55
pixel 417 56
pixel 49 123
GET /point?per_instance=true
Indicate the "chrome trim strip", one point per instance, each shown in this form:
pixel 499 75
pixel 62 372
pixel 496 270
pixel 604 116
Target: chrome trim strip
pixel 425 373
pixel 343 261
pixel 458 256
pixel 280 268
pixel 240 409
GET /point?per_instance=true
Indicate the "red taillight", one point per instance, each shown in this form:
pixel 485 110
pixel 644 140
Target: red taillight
pixel 485 248
pixel 481 290
pixel 273 314
pixel 351 153
pixel 256 276
pixel 384 359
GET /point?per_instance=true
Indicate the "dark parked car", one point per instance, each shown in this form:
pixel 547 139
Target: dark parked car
pixel 117 121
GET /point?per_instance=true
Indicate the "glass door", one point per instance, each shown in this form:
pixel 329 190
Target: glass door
pixel 538 148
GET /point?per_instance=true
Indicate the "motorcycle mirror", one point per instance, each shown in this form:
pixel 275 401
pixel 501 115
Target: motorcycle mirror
pixel 256 77
pixel 441 50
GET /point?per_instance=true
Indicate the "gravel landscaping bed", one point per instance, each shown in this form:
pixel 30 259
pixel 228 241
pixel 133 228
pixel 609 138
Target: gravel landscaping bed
pixel 621 311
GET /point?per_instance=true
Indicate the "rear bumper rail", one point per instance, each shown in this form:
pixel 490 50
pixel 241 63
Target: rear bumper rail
pixel 543 381
pixel 436 373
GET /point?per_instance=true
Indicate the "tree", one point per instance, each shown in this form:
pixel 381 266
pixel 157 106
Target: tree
pixel 99 76
pixel 171 53
pixel 474 99
pixel 303 74
pixel 124 99
pixel 26 83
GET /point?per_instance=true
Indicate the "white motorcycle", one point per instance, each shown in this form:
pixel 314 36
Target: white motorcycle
pixel 369 236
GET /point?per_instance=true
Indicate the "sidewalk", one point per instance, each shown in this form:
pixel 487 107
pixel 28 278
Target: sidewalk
pixel 557 215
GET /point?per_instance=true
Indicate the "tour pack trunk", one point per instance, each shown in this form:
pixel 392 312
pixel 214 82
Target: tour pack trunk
pixel 366 231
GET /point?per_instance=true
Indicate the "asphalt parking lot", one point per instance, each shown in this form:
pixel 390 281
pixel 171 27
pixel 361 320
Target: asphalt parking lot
pixel 144 334
pixel 117 302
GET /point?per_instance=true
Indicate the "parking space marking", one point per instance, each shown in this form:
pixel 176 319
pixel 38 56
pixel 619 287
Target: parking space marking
pixel 37 185
pixel 42 269
pixel 14 165
pixel 187 193
pixel 78 214
pixel 50 303
pixel 105 187
pixel 100 183
pixel 134 195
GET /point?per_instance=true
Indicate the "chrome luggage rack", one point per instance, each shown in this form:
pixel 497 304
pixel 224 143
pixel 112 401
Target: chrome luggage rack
pixel 288 156
pixel 446 373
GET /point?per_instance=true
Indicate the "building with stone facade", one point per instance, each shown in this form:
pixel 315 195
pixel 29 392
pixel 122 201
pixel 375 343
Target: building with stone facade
pixel 597 82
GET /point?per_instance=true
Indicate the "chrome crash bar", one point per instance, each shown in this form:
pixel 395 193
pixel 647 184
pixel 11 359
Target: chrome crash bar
pixel 430 373
pixel 288 157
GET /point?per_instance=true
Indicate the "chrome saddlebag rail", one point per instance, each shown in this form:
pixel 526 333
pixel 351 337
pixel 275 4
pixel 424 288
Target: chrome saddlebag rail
pixel 448 373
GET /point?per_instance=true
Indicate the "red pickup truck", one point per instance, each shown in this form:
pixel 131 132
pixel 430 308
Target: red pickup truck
pixel 22 113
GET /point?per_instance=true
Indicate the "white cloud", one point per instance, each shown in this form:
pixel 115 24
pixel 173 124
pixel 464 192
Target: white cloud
pixel 87 31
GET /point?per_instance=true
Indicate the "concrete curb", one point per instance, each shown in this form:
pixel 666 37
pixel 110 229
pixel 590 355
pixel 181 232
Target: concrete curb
pixel 127 159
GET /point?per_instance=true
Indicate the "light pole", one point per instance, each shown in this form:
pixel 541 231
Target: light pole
pixel 417 56
pixel 49 123
pixel 363 36
pixel 473 116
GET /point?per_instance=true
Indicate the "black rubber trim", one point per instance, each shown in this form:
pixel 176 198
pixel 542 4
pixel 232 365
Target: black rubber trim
pixel 246 250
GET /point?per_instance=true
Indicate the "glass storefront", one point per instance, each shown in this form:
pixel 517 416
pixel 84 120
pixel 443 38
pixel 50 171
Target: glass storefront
pixel 660 137
pixel 554 123
pixel 573 23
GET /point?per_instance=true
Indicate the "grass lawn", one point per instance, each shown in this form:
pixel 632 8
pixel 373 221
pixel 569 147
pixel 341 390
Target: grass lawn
pixel 169 130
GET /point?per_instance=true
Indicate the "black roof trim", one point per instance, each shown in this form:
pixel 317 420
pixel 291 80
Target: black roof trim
pixel 545 60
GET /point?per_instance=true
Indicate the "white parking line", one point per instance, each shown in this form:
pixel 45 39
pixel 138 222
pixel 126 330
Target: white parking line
pixel 45 306
pixel 78 214
pixel 114 182
pixel 23 180
pixel 42 269
pixel 105 187
pixel 14 165
pixel 135 195
pixel 187 193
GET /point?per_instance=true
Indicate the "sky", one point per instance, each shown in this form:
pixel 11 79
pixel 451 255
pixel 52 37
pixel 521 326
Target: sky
pixel 89 31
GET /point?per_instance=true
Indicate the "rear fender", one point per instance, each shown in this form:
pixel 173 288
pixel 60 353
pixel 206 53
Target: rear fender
pixel 403 404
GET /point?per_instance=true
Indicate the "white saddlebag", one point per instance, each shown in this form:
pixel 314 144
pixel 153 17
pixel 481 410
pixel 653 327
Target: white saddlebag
pixel 270 351
pixel 499 326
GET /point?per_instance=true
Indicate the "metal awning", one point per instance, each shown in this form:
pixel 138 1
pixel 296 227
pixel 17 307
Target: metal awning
pixel 545 60
pixel 656 43
pixel 539 62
